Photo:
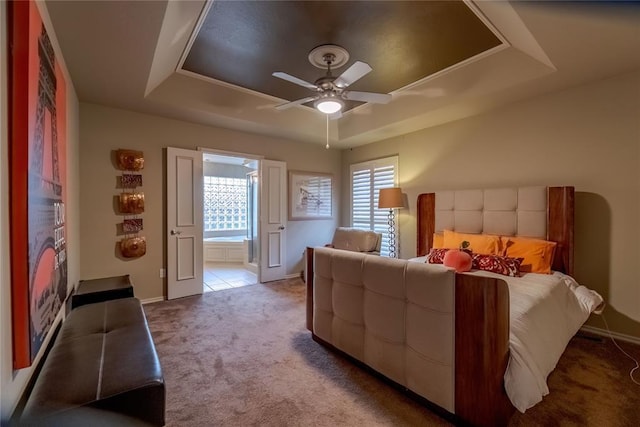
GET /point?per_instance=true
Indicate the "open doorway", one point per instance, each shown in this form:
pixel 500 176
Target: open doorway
pixel 230 240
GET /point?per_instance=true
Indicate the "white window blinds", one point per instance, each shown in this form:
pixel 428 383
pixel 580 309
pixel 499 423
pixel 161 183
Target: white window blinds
pixel 367 179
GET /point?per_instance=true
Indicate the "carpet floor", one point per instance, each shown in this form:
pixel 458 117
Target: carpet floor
pixel 243 357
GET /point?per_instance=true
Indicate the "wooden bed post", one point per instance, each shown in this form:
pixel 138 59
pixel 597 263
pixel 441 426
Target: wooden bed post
pixel 560 224
pixel 309 281
pixel 482 350
pixel 426 225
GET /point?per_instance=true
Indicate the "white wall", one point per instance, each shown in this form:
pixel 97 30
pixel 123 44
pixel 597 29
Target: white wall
pixel 104 129
pixel 587 136
pixel 12 383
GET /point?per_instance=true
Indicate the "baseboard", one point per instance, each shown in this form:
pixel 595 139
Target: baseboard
pixel 292 276
pixel 605 333
pixel 152 300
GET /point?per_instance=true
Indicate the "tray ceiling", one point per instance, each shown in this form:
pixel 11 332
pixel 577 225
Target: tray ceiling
pixel 135 55
pixel 243 42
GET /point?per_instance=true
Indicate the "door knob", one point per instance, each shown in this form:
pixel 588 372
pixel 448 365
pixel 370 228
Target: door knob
pixel 175 232
pixel 281 227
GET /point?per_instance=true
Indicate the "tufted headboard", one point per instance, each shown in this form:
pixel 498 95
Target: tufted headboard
pixel 538 212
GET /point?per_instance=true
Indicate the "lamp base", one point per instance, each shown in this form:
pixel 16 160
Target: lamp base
pixel 392 234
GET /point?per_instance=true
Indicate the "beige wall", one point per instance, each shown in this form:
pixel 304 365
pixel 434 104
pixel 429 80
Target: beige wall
pixel 12 383
pixel 104 129
pixel 587 136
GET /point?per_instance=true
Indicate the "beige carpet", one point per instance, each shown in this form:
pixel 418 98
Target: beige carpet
pixel 243 357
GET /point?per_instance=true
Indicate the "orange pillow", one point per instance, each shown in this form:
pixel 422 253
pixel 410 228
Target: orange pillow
pixel 438 241
pixel 478 243
pixel 537 254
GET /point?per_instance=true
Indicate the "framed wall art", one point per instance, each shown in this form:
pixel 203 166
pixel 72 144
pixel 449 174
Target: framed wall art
pixel 130 160
pixel 129 180
pixel 131 203
pixel 310 195
pixel 38 191
pixel 132 225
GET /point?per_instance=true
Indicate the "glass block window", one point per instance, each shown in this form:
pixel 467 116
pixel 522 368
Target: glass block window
pixel 225 203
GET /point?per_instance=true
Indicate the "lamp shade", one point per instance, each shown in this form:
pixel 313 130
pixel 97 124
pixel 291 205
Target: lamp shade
pixel 390 198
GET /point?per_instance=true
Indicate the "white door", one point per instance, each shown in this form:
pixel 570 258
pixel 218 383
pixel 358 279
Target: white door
pixel 273 219
pixel 184 222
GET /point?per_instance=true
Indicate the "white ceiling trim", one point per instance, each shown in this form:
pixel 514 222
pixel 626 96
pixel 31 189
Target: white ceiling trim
pixel 512 30
pixel 178 27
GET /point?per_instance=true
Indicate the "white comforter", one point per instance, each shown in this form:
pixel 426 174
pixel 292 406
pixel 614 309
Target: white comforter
pixel 546 311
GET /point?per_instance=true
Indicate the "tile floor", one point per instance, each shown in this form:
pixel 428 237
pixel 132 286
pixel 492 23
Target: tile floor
pixel 220 276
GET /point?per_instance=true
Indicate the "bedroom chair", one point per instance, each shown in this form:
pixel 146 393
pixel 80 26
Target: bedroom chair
pixel 356 240
pixel 349 239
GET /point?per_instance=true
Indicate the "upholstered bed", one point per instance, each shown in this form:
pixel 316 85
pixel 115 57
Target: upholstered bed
pixel 458 340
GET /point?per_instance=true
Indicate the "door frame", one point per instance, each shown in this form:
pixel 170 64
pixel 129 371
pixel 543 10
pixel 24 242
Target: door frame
pixel 258 158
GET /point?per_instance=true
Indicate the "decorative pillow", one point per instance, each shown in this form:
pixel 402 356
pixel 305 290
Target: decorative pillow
pixel 497 264
pixel 438 240
pixel 436 255
pixel 537 254
pixel 460 260
pixel 478 243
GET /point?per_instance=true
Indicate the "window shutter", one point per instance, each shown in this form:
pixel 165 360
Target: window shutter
pixel 367 179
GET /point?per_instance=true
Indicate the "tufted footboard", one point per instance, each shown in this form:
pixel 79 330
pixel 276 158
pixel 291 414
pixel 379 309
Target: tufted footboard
pixel 441 335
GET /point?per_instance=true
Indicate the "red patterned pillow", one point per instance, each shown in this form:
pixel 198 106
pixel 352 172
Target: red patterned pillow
pixel 436 255
pixel 497 264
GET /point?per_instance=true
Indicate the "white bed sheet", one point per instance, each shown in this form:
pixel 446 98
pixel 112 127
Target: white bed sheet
pixel 546 311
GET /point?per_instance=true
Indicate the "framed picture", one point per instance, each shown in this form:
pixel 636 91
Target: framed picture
pixel 310 195
pixel 38 191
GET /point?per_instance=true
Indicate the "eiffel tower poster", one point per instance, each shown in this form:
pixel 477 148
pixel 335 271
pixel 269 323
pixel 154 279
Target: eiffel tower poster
pixel 38 182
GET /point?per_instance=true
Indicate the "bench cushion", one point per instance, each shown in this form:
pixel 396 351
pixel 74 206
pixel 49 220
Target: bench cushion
pixel 103 358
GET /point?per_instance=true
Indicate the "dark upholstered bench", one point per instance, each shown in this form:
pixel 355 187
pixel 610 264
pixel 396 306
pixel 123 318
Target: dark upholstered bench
pixel 103 289
pixel 103 366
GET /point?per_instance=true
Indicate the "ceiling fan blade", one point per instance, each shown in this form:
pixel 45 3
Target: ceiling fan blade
pixel 352 74
pixel 375 98
pixel 300 101
pixel 290 78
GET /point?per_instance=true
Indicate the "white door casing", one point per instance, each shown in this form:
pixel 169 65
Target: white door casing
pixel 273 220
pixel 184 222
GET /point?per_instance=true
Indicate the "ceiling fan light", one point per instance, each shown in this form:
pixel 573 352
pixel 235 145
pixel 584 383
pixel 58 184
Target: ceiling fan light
pixel 329 105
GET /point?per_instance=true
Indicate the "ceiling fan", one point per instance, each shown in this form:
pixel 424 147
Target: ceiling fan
pixel 332 90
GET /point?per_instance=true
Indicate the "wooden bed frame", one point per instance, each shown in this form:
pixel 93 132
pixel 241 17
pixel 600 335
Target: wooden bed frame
pixel 482 316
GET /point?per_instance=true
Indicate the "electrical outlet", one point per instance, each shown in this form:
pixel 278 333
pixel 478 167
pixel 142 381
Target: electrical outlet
pixel 163 273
